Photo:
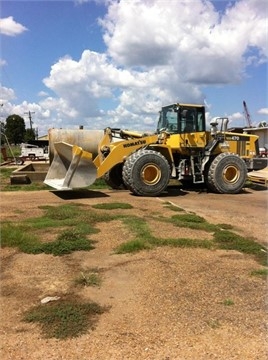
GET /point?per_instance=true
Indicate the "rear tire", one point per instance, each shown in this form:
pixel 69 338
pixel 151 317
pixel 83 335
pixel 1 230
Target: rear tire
pixel 114 178
pixel 226 174
pixel 146 173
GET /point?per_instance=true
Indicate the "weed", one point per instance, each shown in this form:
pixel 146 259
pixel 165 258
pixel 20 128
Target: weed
pixel 228 302
pixel 89 278
pixel 64 319
pixel 213 323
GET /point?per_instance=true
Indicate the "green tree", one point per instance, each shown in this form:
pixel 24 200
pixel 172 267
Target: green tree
pixel 15 129
pixel 29 135
pixel 2 129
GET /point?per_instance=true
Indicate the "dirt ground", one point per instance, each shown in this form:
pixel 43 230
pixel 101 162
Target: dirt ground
pixel 166 303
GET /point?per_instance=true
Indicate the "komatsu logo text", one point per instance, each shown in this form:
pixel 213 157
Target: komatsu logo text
pixel 135 143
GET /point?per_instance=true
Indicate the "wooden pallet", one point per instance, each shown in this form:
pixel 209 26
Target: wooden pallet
pixel 259 177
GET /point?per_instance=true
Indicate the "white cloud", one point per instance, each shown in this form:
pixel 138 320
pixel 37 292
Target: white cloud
pixel 7 94
pixel 9 27
pixel 263 111
pixel 196 43
pixel 156 54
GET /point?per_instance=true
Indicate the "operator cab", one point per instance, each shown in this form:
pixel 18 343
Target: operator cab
pixel 182 118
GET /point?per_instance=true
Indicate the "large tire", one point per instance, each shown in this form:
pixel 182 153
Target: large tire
pixel 114 178
pixel 146 173
pixel 226 174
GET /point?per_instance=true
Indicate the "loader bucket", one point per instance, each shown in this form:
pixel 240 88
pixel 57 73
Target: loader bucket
pixel 71 168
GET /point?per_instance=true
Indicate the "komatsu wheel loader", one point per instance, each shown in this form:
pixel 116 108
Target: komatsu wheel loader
pixel 181 149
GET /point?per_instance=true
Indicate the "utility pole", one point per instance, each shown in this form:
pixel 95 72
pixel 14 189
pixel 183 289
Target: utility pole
pixel 30 118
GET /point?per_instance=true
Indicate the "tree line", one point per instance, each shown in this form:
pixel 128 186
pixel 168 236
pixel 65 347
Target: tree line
pixel 15 131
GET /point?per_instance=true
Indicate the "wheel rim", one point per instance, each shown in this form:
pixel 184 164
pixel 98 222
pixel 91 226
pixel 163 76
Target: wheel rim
pixel 150 174
pixel 231 174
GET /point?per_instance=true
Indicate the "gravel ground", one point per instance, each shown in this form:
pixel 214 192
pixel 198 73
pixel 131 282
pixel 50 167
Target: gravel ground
pixel 163 304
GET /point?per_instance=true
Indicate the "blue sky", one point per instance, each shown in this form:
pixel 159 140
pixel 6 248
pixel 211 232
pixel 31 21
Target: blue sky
pixel 115 63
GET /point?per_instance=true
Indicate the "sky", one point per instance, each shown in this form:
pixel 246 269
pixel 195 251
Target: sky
pixel 112 63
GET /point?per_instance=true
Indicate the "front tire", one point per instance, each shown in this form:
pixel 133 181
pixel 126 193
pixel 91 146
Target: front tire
pixel 226 174
pixel 146 173
pixel 114 179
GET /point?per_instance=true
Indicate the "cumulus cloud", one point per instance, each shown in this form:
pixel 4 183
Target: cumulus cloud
pixel 196 43
pixel 9 27
pixel 263 111
pixel 7 94
pixel 156 54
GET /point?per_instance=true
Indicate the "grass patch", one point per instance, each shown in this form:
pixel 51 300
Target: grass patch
pixel 230 241
pixel 112 206
pixel 76 222
pixel 64 319
pixel 5 173
pixel 21 237
pixel 192 221
pixel 61 212
pixel 260 272
pixel 133 246
pixel 172 207
pixel 34 186
pixel 25 237
pixel 189 218
pixel 66 243
pixel 144 239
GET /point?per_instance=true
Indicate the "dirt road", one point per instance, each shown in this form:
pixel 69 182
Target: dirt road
pixel 166 303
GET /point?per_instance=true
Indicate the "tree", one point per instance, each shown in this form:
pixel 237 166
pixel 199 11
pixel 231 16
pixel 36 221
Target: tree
pixel 2 129
pixel 29 135
pixel 15 129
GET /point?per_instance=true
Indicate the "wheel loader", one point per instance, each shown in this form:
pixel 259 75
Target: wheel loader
pixel 145 164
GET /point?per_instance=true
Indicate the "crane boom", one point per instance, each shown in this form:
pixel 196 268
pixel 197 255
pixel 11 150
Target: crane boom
pixel 247 115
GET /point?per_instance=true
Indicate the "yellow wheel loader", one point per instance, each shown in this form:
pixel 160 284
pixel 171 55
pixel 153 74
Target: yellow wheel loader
pixel 181 149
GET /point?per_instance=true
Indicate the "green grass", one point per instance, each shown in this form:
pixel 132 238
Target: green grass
pixel 5 172
pixel 228 240
pixel 112 206
pixel 228 302
pixel 145 240
pixel 260 272
pixel 73 223
pixel 26 234
pixel 65 318
pixel 76 222
pixel 22 237
pixel 172 207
